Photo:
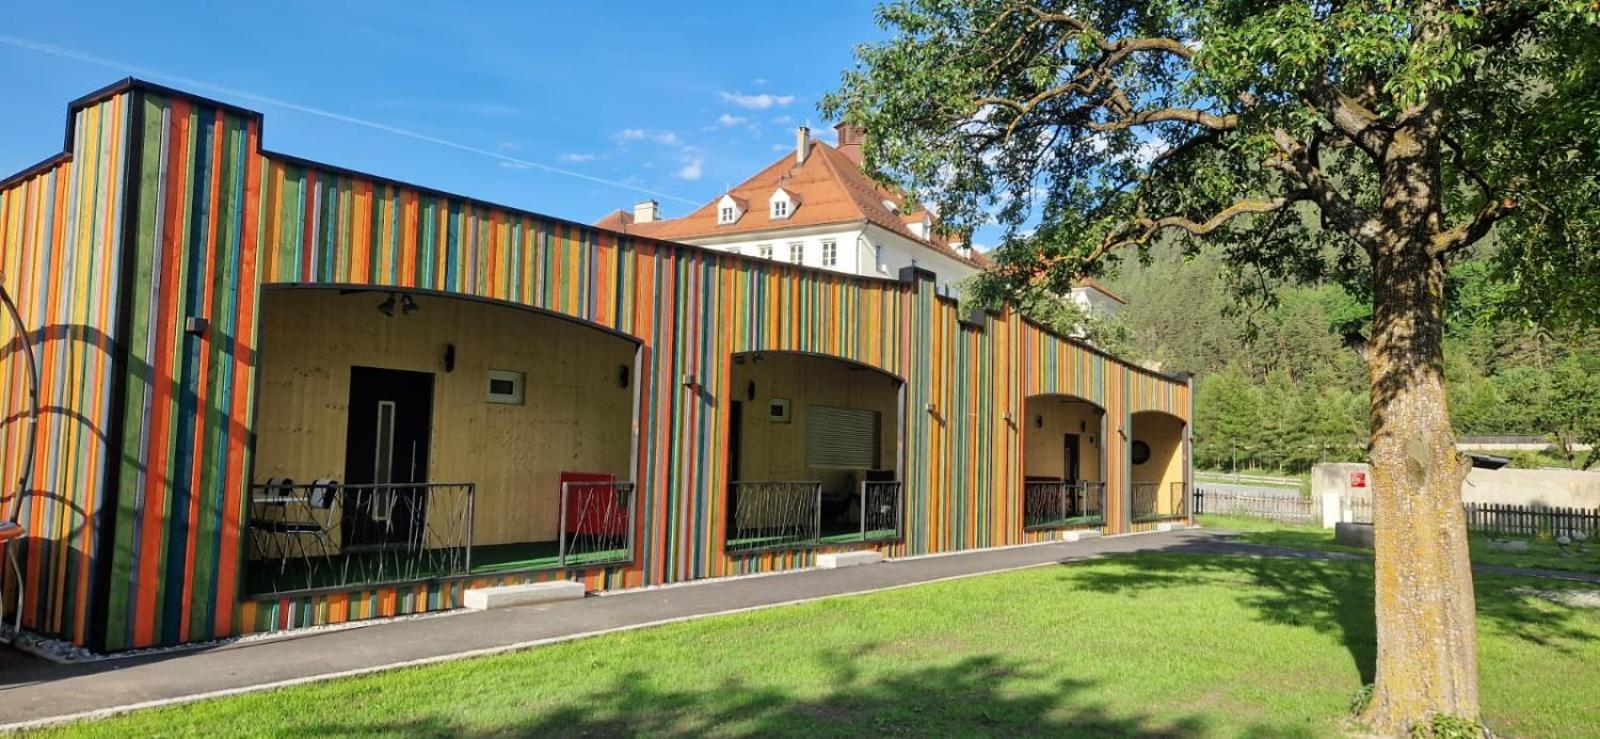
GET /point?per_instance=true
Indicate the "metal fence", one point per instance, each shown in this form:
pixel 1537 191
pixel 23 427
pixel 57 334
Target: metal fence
pixel 596 523
pixel 769 515
pixel 1519 520
pixel 327 536
pixel 1061 504
pixel 1294 510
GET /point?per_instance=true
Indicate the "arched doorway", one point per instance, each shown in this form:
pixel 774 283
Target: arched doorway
pixel 1063 463
pixel 814 452
pixel 405 436
pixel 1158 459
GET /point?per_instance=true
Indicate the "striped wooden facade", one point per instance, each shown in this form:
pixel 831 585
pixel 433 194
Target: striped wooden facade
pixel 185 216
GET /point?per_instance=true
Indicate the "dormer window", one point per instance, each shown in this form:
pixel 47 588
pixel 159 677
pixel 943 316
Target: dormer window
pixel 782 204
pixel 729 210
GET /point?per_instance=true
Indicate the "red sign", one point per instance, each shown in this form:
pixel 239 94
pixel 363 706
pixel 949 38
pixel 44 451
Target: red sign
pixel 1358 479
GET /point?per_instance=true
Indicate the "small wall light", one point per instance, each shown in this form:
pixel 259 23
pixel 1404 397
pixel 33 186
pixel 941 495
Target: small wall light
pixel 750 390
pixel 687 379
pixel 1083 425
pixel 387 306
pixel 624 375
pixel 931 408
pixel 449 357
pixel 195 325
pixel 1038 421
pixel 408 306
pixel 1009 418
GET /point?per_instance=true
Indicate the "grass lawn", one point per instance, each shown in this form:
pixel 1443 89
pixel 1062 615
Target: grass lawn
pixel 1139 645
pixel 1540 555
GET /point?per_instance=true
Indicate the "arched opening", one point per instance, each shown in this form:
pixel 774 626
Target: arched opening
pixel 1156 446
pixel 404 436
pixel 814 452
pixel 1063 462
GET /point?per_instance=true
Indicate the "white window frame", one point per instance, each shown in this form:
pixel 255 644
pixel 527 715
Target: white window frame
pixel 797 252
pixel 727 214
pixel 830 253
pixel 765 250
pixel 780 209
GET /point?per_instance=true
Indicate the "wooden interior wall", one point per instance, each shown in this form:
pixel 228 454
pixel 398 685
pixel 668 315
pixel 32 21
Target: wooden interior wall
pixel 216 218
pixel 575 416
pixel 777 451
pixel 1044 454
pixel 1164 434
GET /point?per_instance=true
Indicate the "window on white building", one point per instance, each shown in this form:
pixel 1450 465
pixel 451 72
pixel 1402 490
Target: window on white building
pixel 765 250
pixel 725 215
pixel 797 251
pixel 735 250
pixel 830 253
pixel 780 209
pixel 878 257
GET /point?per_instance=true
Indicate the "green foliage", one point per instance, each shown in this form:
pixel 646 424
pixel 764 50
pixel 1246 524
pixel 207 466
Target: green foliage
pixel 1361 701
pixel 1445 726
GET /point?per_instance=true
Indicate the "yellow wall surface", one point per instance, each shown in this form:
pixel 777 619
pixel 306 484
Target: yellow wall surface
pixel 575 415
pixel 777 451
pixel 1164 434
pixel 1046 422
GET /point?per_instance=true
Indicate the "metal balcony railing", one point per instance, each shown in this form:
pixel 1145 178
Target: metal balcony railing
pixel 326 535
pixel 770 515
pixel 1063 504
pixel 1150 505
pixel 596 523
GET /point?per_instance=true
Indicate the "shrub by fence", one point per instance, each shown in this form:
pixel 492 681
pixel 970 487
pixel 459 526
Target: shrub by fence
pixel 1224 502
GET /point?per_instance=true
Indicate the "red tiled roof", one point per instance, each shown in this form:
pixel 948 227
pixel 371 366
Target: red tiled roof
pixel 829 188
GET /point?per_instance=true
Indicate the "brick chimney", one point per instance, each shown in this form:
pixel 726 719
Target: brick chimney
pixel 851 138
pixel 802 145
pixel 646 211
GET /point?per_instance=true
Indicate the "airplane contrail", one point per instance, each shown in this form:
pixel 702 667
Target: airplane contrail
pixel 181 81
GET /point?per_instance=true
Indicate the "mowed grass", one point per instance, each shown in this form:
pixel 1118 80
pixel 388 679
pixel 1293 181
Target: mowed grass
pixel 1140 645
pixel 1542 553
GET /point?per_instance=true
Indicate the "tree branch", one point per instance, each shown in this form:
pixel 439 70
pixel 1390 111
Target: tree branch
pixel 1148 228
pixel 1472 231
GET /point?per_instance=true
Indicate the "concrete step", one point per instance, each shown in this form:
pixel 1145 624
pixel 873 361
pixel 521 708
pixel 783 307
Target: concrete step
pixel 506 596
pixel 1079 535
pixel 1179 526
pixel 835 560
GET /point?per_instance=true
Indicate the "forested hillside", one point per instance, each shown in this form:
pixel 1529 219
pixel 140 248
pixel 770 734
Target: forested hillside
pixel 1283 386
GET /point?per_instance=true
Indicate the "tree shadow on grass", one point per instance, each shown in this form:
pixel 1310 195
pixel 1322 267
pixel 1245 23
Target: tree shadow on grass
pixel 978 696
pixel 1332 596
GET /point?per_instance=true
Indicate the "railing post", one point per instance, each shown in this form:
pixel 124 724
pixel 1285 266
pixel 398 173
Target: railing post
pixel 816 528
pixel 900 510
pixel 862 507
pixel 561 530
pixel 472 497
pixel 1061 511
pixel 633 507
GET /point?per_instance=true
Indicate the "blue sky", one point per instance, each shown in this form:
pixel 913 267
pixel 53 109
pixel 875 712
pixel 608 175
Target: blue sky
pixel 678 100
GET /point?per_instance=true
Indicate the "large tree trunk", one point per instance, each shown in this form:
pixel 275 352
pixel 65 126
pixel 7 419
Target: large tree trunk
pixel 1426 618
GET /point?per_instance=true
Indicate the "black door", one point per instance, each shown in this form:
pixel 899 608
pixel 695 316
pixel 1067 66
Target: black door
pixel 387 444
pixel 1069 467
pixel 1070 458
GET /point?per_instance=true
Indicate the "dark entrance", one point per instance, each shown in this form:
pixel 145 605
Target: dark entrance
pixel 1069 467
pixel 386 444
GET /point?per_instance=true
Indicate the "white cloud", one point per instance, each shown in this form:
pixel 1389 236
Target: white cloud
pixel 727 121
pixel 762 101
pixel 692 170
pixel 782 147
pixel 782 119
pixel 577 157
pixel 665 138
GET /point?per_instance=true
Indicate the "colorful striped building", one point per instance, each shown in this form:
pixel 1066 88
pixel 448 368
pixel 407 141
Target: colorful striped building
pixel 203 316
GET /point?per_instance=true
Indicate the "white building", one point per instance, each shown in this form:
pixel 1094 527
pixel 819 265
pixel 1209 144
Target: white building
pixel 817 208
